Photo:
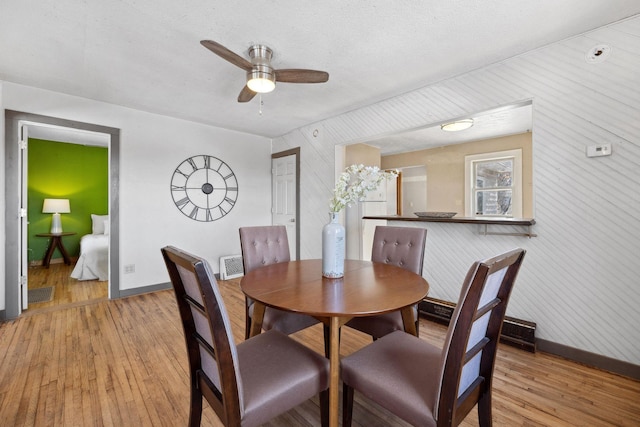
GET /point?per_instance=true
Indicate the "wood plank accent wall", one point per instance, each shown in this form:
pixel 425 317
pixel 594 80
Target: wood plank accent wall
pixel 579 282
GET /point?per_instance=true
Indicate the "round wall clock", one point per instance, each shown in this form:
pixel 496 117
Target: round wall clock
pixel 204 188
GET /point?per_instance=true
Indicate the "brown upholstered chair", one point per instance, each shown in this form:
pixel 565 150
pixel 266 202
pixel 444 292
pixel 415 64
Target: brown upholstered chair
pixel 265 245
pixel 401 246
pixel 248 384
pixel 430 386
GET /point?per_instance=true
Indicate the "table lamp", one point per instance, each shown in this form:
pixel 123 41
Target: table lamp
pixel 56 207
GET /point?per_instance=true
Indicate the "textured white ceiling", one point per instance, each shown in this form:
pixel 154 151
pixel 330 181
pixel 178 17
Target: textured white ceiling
pixel 145 54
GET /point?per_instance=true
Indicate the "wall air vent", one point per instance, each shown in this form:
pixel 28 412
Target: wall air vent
pixel 231 267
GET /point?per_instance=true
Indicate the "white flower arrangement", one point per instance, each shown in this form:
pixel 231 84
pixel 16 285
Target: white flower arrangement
pixel 354 183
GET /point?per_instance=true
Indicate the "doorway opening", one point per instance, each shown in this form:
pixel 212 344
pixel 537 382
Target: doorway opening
pixel 19 125
pixel 285 193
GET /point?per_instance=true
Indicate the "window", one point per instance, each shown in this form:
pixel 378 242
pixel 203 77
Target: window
pixel 493 184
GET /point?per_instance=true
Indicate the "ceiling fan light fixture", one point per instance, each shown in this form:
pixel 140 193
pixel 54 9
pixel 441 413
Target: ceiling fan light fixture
pixel 456 126
pixel 261 82
pixel 261 78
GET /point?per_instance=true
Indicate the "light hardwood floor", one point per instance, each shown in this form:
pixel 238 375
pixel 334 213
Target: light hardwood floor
pixel 123 363
pixel 68 292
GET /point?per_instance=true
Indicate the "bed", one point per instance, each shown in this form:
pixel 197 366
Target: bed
pixel 93 263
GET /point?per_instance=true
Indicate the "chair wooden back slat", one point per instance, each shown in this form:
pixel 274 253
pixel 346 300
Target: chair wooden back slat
pixel 212 354
pixel 426 384
pixel 474 331
pixel 278 373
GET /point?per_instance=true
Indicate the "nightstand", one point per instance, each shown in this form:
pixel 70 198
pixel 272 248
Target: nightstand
pixel 55 241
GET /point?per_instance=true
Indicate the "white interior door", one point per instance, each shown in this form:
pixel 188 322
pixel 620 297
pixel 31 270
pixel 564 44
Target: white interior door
pixel 283 190
pixel 22 241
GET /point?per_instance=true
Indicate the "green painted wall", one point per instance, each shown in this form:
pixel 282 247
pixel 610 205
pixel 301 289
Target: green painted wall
pixel 65 171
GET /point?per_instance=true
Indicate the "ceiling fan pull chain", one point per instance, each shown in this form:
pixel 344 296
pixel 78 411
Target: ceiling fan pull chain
pixel 260 108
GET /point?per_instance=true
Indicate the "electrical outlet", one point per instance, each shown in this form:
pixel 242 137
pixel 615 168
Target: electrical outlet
pixel 129 268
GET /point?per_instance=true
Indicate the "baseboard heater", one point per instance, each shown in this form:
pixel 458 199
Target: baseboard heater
pixel 515 332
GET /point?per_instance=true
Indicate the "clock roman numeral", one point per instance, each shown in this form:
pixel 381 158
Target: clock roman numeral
pixel 194 213
pixel 209 216
pixel 182 173
pixel 182 202
pixel 178 187
pixel 230 201
pixel 207 162
pixel 192 163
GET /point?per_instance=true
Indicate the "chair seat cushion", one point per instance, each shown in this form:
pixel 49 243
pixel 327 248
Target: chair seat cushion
pixel 399 372
pixel 278 373
pixel 381 324
pixel 284 321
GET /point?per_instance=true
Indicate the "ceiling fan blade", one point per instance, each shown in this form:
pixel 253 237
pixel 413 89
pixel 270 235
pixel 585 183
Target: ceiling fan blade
pixel 293 75
pixel 246 94
pixel 225 53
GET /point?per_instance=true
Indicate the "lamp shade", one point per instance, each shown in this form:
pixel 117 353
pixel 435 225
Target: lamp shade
pixel 56 206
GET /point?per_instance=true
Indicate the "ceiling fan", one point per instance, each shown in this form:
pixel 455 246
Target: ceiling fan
pixel 261 77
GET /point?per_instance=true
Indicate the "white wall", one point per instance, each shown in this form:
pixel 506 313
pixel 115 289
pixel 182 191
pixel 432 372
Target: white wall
pixel 579 280
pixel 151 147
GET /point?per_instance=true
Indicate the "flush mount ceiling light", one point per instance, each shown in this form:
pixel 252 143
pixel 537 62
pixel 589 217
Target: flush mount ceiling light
pixel 457 125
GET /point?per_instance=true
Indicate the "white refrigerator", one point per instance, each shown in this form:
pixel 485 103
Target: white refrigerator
pixel 360 231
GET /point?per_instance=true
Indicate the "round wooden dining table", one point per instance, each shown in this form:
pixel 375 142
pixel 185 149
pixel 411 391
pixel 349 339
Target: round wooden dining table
pixel 366 289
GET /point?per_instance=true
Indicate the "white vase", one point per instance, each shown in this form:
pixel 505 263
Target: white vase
pixel 333 237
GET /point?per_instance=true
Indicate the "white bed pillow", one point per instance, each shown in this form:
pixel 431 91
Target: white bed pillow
pixel 106 226
pixel 97 223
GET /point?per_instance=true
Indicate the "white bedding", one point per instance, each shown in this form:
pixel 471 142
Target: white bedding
pixel 94 258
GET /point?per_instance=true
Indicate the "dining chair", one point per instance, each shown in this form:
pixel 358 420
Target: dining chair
pixel 439 386
pixel 248 384
pixel 401 246
pixel 265 245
